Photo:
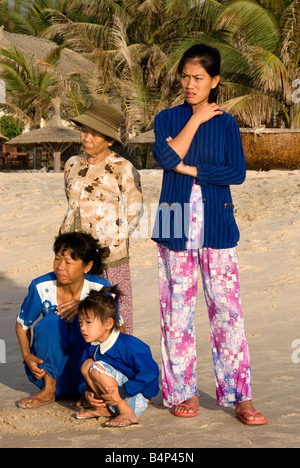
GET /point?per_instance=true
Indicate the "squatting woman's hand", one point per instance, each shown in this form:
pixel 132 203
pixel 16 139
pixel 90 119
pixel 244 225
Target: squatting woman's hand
pixel 33 362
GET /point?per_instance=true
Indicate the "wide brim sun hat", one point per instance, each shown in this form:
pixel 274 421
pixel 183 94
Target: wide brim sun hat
pixel 103 118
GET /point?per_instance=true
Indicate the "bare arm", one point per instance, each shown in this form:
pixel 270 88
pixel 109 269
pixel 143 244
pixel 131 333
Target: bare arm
pixel 24 337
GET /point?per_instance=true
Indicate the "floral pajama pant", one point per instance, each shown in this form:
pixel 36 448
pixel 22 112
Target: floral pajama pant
pixel 178 283
pixel 121 276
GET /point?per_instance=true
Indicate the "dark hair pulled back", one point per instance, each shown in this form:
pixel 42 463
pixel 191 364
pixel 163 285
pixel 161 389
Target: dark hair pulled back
pixel 103 304
pixel 82 246
pixel 209 58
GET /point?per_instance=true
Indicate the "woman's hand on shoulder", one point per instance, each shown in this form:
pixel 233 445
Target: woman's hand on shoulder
pixel 206 112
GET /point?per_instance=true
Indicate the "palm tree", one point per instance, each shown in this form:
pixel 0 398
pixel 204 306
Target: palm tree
pixel 259 43
pixel 127 39
pixel 137 45
pixel 267 34
pixel 29 88
pixel 30 17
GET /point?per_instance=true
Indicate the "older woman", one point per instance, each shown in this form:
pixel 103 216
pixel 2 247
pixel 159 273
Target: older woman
pixel 52 361
pixel 104 195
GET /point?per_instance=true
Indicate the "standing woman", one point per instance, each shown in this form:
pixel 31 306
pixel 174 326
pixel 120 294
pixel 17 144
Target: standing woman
pixel 199 147
pixel 105 196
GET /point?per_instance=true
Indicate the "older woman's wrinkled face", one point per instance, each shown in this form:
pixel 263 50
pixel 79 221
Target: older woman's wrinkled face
pixel 67 270
pixel 93 143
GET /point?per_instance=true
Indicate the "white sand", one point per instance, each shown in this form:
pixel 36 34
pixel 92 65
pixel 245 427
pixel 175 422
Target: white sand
pixel 32 206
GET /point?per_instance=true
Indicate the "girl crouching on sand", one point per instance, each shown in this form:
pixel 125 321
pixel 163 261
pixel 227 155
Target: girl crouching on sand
pixel 119 371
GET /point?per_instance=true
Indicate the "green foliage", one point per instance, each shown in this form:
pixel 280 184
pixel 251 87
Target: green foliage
pixel 9 127
pixel 136 46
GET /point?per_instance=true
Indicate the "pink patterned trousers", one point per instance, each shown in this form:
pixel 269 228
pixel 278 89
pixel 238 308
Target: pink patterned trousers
pixel 178 283
pixel 121 276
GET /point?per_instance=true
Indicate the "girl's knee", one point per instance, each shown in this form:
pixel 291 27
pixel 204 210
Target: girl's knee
pixel 96 370
pixel 85 368
pixel 101 375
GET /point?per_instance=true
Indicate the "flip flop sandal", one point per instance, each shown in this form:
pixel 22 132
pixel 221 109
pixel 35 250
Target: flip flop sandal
pixel 77 416
pixel 42 403
pixel 186 415
pixel 255 422
pixel 120 426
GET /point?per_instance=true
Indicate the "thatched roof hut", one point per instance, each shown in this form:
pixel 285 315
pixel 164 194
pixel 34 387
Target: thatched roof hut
pixel 3 138
pixel 55 136
pixel 70 62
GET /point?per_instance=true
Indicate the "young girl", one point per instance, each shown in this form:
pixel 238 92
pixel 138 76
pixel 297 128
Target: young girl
pixel 199 147
pixel 119 371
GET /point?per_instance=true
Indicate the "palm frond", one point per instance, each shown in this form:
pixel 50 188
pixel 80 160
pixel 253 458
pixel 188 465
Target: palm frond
pixel 247 20
pixel 252 109
pixel 270 74
pixel 290 51
pixel 275 7
pixel 13 80
pixel 20 116
pixel 151 7
pixel 16 59
pixel 137 44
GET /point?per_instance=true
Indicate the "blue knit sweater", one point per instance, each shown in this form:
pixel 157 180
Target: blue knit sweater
pixel 217 152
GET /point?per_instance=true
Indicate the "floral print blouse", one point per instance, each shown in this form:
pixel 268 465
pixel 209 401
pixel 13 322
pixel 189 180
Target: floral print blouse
pixel 104 200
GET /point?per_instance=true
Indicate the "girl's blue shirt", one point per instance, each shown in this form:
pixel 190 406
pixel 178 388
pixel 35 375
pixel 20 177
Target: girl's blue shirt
pixel 133 358
pixel 217 152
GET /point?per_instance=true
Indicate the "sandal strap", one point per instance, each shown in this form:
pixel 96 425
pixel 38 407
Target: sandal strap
pixel 183 405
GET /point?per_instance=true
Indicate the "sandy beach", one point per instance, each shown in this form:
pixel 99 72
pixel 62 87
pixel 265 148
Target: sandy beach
pixel 32 206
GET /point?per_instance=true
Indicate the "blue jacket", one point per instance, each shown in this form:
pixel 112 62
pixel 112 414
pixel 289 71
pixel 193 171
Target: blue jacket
pixel 217 152
pixel 133 358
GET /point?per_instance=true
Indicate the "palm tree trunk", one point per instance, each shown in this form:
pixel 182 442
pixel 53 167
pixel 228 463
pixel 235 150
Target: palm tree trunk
pixel 57 161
